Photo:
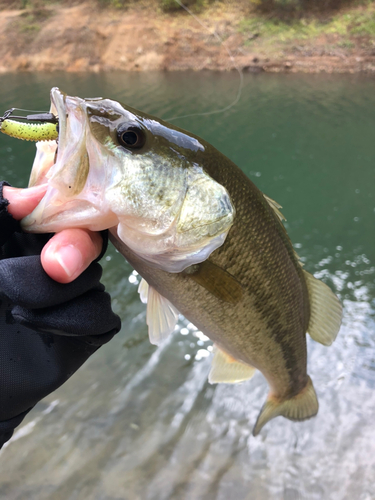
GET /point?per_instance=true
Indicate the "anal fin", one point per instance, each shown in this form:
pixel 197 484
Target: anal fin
pixel 300 407
pixel 161 316
pixel 228 370
pixel 325 311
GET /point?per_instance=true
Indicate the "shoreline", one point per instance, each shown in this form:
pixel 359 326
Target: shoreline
pixel 81 38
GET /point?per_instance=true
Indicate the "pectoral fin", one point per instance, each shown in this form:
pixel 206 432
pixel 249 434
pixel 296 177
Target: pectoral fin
pixel 143 291
pixel 217 281
pixel 325 311
pixel 161 316
pixel 228 370
pixel 300 407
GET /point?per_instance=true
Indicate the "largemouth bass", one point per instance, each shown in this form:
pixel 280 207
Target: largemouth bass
pixel 206 241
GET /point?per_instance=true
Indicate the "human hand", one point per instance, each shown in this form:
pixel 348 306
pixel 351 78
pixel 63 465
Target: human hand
pixel 68 253
pixel 47 329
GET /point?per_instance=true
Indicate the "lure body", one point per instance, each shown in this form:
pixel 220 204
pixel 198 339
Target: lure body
pixel 30 131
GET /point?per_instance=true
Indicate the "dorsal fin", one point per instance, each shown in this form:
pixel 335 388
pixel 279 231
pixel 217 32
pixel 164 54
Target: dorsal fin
pixel 325 308
pixel 275 207
pixel 325 311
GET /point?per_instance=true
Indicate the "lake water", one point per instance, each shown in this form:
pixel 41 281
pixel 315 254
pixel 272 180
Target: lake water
pixel 141 423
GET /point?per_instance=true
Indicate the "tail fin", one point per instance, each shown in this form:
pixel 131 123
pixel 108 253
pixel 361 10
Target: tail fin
pixel 300 407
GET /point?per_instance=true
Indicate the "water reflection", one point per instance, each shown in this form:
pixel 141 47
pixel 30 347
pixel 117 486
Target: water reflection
pixel 138 422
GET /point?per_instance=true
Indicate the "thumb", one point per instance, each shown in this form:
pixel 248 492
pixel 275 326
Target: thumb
pixel 23 201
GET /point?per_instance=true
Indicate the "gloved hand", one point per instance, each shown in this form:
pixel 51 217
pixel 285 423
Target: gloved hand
pixel 47 329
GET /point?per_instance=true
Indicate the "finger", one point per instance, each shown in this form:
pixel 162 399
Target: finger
pixel 68 253
pixel 23 201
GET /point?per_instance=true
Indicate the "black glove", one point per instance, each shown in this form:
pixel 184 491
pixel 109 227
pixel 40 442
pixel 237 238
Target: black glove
pixel 47 329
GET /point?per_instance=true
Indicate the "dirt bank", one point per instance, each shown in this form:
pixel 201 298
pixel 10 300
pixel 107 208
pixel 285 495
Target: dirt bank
pixel 85 38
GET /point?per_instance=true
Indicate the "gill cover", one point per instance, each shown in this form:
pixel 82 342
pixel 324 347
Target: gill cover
pixel 116 166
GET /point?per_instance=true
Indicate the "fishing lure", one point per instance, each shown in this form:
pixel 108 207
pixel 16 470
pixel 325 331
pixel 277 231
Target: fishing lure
pixel 30 131
pixel 47 131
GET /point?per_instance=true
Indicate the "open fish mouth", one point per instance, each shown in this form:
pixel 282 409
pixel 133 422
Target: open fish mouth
pixel 64 164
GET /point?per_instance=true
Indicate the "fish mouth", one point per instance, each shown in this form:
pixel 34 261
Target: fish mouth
pixel 66 198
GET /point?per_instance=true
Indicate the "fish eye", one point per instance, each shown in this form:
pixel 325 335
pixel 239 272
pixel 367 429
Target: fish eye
pixel 131 137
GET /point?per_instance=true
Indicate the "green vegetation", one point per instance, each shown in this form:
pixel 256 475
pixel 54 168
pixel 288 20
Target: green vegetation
pixel 347 24
pixel 301 7
pixel 30 21
pixel 268 21
pixel 164 5
pixel 173 6
pixel 26 4
pixel 362 23
pixel 116 4
pixel 277 8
